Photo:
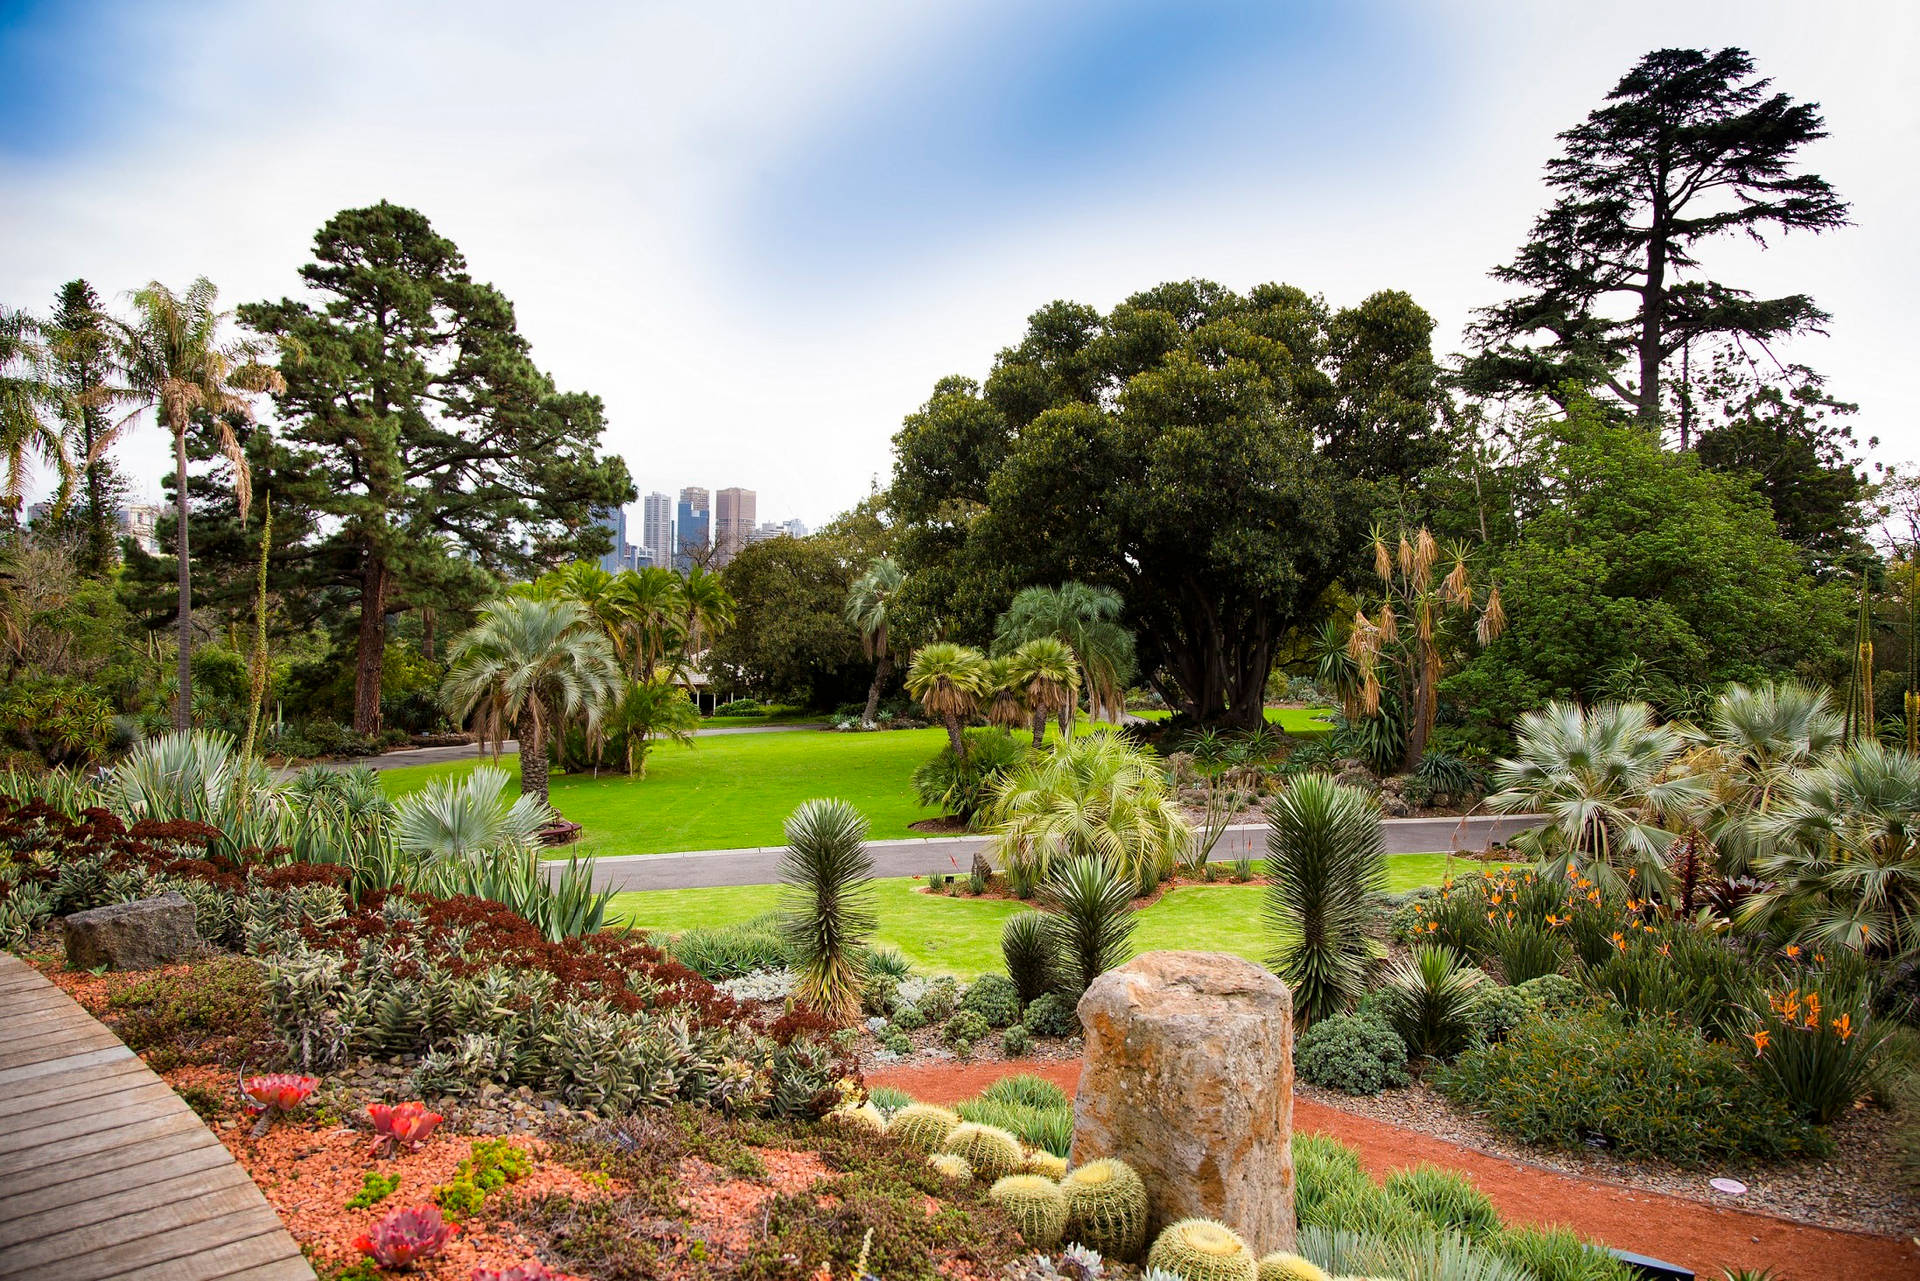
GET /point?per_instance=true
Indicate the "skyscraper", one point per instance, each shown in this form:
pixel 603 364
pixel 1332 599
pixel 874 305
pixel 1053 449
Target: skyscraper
pixel 733 512
pixel 620 556
pixel 691 529
pixel 656 528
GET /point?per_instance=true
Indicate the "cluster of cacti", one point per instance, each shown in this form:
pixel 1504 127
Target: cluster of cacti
pixel 952 1167
pixel 865 1117
pixel 1045 1164
pixel 923 1126
pixel 1036 1205
pixel 1107 1208
pixel 1202 1250
pixel 991 1151
pixel 1281 1266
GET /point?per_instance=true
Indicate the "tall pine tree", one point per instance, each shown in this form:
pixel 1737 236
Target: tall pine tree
pixel 80 352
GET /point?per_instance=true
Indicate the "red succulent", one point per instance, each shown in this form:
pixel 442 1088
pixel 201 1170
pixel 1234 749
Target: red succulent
pixel 405 1237
pixel 275 1093
pixel 401 1125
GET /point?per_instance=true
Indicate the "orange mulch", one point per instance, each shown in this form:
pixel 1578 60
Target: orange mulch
pixel 93 991
pixel 1703 1237
pixel 726 1208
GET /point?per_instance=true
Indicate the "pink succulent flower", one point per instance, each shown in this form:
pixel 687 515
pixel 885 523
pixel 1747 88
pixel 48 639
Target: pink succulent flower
pixel 274 1094
pixel 401 1125
pixel 405 1237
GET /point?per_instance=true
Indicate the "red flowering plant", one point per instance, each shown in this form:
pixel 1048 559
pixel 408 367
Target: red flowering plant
pixel 401 1125
pixel 405 1237
pixel 274 1095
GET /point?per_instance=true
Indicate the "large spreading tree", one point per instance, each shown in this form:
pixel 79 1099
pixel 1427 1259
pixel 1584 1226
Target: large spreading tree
pixel 1689 147
pixel 1210 456
pixel 419 428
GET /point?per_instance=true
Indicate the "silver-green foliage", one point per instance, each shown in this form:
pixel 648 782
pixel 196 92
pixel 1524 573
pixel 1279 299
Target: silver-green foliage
pixel 828 904
pixel 1092 920
pixel 1325 862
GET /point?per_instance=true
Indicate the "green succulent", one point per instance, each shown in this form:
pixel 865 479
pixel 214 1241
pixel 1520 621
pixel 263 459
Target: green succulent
pixel 949 1166
pixel 923 1126
pixel 1202 1250
pixel 1035 1204
pixel 993 1152
pixel 1107 1208
pixel 1281 1266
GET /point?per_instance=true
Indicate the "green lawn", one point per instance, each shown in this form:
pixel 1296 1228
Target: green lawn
pixel 731 791
pixel 773 716
pixel 1294 720
pixel 962 935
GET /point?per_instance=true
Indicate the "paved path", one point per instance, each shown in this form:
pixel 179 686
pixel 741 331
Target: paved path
pixel 703 869
pixel 104 1171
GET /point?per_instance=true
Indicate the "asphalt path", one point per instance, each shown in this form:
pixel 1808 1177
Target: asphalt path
pixel 919 856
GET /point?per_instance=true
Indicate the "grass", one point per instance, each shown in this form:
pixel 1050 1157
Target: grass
pixel 961 935
pixel 771 716
pixel 1294 720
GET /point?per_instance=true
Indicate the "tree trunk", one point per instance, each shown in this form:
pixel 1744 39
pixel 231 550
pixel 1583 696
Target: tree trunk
pixel 1039 730
pixel 881 670
pixel 533 756
pixel 1653 310
pixel 371 654
pixel 954 740
pixel 183 702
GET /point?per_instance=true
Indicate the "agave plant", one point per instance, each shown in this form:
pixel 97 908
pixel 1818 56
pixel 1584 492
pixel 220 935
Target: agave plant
pixel 828 905
pixel 1026 943
pixel 1092 920
pixel 1325 861
pixel 197 776
pixel 1097 796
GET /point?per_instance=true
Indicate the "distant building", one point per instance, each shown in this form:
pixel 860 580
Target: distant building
pixel 733 513
pixel 621 555
pixel 692 529
pixel 656 528
pixel 139 522
pixel 766 531
pixel 795 528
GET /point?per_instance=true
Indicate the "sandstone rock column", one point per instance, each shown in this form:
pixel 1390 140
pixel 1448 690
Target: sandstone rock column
pixel 1189 1079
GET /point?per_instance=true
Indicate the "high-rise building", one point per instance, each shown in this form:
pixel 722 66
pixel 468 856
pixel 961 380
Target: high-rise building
pixel 692 529
pixel 795 528
pixel 733 515
pixel 621 555
pixel 656 528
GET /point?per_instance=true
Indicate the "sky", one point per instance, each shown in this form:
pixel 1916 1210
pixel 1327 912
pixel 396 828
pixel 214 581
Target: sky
pixel 761 232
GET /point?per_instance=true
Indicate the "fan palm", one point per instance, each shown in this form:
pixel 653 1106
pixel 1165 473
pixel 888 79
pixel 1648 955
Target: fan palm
pixel 1325 862
pixel 1758 738
pixel 1606 778
pixel 1097 796
pixel 1008 706
pixel 1847 851
pixel 175 362
pixel 1048 676
pixel 457 819
pixel 27 425
pixel 869 609
pixel 534 663
pixel 828 905
pixel 1092 920
pixel 1087 619
pixel 949 680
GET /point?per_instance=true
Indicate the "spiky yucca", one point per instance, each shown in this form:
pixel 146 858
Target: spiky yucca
pixel 1107 1208
pixel 991 1151
pixel 1280 1266
pixel 1092 921
pixel 1202 1250
pixel 1325 861
pixel 1045 1164
pixel 923 1126
pixel 1035 1204
pixel 949 1166
pixel 1027 945
pixel 828 905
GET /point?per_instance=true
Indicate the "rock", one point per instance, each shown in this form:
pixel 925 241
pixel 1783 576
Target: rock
pixel 132 936
pixel 1189 1079
pixel 1354 774
pixel 1394 805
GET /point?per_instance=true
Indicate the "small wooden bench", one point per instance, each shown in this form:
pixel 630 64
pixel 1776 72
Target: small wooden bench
pixel 104 1171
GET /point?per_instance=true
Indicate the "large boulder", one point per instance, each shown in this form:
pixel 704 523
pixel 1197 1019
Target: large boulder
pixel 132 936
pixel 1189 1079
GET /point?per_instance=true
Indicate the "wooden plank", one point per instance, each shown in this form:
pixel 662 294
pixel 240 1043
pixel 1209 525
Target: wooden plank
pixel 68 1027
pixel 120 1175
pixel 24 977
pixel 153 1236
pixel 181 1138
pixel 108 1092
pixel 142 1196
pixel 50 1091
pixel 52 1154
pixel 44 997
pixel 108 1113
pixel 64 1067
pixel 63 1044
pixel 294 1269
pixel 215 1263
pixel 22 1027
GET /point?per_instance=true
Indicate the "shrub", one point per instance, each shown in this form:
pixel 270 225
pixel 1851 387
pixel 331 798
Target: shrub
pixel 1502 1009
pixel 1444 774
pixel 1647 1087
pixel 731 951
pixel 210 1014
pixel 1092 922
pixel 1528 951
pixel 1027 1090
pixel 1446 1199
pixel 1352 1053
pixel 935 998
pixel 964 788
pixel 739 707
pixel 1052 1015
pixel 994 998
pixel 1430 999
pixel 1324 862
pixel 964 1026
pixel 1817 1044
pixel 897 1043
pixel 1016 1041
pixel 828 904
pixel 1558 1254
pixel 1554 993
pixel 1027 945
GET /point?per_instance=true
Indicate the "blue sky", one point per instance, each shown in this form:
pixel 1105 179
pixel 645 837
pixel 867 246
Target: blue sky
pixel 762 231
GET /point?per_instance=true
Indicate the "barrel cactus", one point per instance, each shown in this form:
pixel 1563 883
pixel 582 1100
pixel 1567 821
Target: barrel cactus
pixel 1202 1250
pixel 1036 1205
pixel 1107 1208
pixel 949 1166
pixel 864 1117
pixel 991 1151
pixel 1045 1164
pixel 923 1126
pixel 1281 1266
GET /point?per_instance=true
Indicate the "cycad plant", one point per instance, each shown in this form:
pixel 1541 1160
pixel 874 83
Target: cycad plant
pixel 1006 694
pixel 1606 778
pixel 1048 678
pixel 1097 796
pixel 1091 923
pixel 828 905
pixel 1431 999
pixel 1325 861
pixel 949 680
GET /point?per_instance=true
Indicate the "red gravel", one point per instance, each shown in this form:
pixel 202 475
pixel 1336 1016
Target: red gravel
pixel 1703 1237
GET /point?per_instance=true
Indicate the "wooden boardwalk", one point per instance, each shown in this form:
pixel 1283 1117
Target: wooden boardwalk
pixel 104 1171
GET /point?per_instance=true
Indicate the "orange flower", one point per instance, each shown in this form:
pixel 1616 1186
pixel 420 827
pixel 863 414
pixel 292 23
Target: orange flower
pixel 1819 958
pixel 1509 916
pixel 1844 1026
pixel 1555 921
pixel 1760 1041
pixel 1619 940
pixel 1633 904
pixel 1432 926
pixel 1793 951
pixel 1666 949
pixel 1496 898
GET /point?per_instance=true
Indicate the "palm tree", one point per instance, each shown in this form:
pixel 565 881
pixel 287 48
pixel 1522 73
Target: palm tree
pixel 828 905
pixel 26 397
pixel 175 362
pixel 651 608
pixel 1048 676
pixel 1087 619
pixel 534 663
pixel 1757 740
pixel 949 681
pixel 1007 704
pixel 1325 864
pixel 456 819
pixel 1097 796
pixel 1606 778
pixel 1847 856
pixel 709 610
pixel 649 710
pixel 869 609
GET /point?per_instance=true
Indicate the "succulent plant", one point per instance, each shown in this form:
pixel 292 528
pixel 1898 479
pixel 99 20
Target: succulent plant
pixel 274 1094
pixel 947 1165
pixel 993 1152
pixel 865 1117
pixel 1202 1250
pixel 531 1270
pixel 1107 1208
pixel 923 1126
pixel 1078 1263
pixel 401 1125
pixel 405 1237
pixel 1281 1266
pixel 1044 1164
pixel 1035 1204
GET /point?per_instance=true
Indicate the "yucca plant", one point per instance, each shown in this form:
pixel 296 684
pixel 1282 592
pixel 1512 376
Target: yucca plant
pixel 1431 997
pixel 828 905
pixel 1092 921
pixel 1027 945
pixel 1325 861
